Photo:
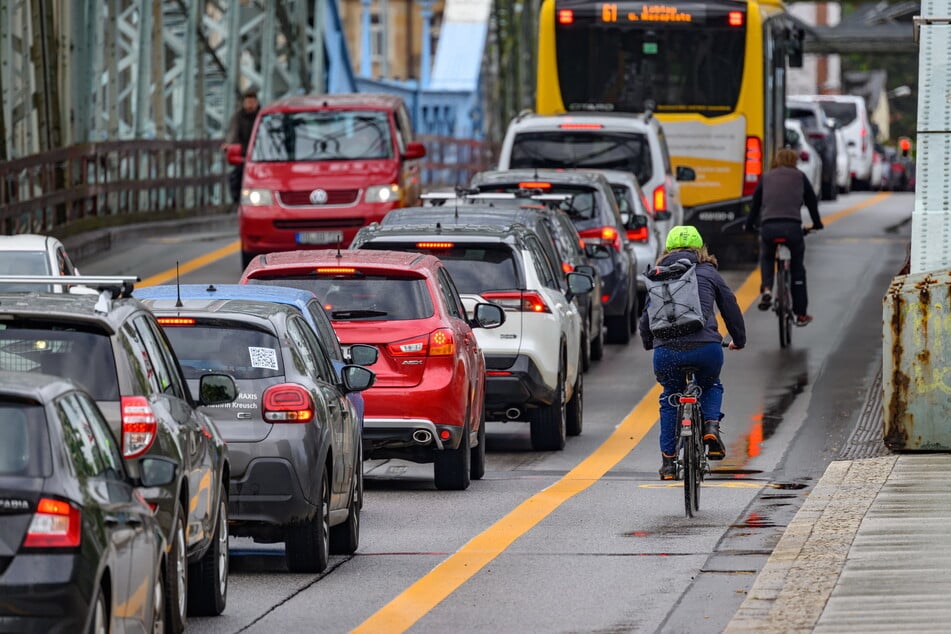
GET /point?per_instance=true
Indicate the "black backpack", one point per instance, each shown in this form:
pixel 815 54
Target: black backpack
pixel 673 307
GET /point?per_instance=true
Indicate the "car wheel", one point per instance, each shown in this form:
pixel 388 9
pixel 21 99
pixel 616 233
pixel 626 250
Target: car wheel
pixel 548 422
pixel 99 622
pixel 345 538
pixel 635 313
pixel 158 602
pixel 584 354
pixel 597 345
pixel 451 467
pixel 176 581
pixel 307 547
pixel 477 459
pixel 574 416
pixel 619 327
pixel 208 577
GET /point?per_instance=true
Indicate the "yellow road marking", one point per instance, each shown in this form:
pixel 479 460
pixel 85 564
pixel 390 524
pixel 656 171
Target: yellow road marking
pixel 192 265
pixel 427 592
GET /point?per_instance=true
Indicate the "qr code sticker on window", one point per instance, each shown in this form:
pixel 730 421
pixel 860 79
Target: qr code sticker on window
pixel 263 358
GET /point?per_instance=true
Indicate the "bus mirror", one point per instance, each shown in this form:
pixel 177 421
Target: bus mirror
pixel 794 39
pixel 686 174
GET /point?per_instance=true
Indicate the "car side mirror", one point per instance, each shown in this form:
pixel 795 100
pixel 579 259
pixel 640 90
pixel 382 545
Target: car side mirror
pixel 357 378
pixel 414 150
pixel 156 472
pixel 686 174
pixel 362 354
pixel 586 269
pixel 578 284
pixel 638 221
pixel 233 154
pixel 597 251
pixel 216 389
pixel 487 316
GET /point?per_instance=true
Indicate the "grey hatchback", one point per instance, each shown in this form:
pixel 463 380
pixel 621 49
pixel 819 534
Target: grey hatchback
pixel 293 436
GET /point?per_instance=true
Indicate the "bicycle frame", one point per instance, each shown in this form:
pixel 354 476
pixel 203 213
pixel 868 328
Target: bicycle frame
pixel 692 457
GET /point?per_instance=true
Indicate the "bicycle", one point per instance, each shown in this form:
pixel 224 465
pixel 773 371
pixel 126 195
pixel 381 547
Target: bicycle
pixel 782 295
pixel 692 460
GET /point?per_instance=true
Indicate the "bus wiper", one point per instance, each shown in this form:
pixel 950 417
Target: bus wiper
pixel 356 314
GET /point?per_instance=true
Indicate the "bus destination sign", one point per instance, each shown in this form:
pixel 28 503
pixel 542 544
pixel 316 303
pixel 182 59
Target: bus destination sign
pixel 614 12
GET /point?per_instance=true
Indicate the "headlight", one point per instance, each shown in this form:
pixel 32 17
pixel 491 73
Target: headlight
pixel 256 197
pixel 382 193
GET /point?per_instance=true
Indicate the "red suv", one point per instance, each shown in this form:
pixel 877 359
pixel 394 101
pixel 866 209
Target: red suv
pixel 320 167
pixel 427 402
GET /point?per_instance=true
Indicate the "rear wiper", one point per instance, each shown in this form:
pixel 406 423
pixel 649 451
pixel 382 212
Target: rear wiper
pixel 355 314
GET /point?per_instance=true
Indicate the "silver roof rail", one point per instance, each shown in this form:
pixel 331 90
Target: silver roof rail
pixel 116 285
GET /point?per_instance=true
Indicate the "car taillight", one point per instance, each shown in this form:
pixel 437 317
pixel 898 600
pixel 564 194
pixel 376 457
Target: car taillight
pixel 567 268
pixel 753 167
pixel 175 321
pixel 566 16
pixel 525 301
pixel 864 134
pixel 637 235
pixel 441 343
pixel 602 235
pixel 138 425
pixel 415 347
pixel 660 198
pixel 56 524
pixel 287 403
pixel 804 156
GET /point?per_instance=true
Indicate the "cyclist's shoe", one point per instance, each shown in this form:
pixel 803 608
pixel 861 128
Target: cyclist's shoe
pixel 765 301
pixel 668 467
pixel 803 320
pixel 711 438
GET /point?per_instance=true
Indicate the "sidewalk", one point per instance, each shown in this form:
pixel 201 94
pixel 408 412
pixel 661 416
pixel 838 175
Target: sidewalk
pixel 869 550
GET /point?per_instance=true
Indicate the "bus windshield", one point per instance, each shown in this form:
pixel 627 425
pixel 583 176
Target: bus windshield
pixel 621 56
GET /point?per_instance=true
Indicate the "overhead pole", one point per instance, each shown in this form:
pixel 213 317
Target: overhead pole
pixel 143 70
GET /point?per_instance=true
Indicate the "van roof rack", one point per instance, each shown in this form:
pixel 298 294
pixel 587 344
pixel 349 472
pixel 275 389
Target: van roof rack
pixel 119 286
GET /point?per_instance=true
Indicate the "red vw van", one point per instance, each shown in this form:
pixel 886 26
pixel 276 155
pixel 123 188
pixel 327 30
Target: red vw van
pixel 320 167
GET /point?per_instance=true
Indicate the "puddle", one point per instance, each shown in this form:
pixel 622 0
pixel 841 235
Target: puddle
pixel 756 520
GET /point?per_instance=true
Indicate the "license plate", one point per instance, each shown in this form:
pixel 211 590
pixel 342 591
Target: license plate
pixel 319 237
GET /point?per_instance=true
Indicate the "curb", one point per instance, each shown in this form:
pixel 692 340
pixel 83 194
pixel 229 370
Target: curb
pixel 87 245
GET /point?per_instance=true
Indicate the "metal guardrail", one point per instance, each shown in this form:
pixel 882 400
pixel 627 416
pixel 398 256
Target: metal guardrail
pixel 81 187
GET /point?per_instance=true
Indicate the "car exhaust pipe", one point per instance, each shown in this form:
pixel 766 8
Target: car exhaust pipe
pixel 513 413
pixel 423 436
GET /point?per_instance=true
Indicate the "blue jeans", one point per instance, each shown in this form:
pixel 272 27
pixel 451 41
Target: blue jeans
pixel 708 360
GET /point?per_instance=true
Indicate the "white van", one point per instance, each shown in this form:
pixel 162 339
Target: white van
pixel 850 116
pixel 631 143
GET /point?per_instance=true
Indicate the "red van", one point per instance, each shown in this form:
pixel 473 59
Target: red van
pixel 320 167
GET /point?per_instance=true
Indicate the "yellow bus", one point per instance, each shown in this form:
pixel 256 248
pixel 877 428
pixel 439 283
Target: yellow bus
pixel 712 71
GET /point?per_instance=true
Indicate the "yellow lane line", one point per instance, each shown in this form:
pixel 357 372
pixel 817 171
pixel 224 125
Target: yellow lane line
pixel 192 265
pixel 427 592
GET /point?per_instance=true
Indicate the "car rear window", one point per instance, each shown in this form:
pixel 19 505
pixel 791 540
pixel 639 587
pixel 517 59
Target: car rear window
pixel 364 298
pixel 805 116
pixel 843 112
pixel 323 135
pixel 25 445
pixel 243 353
pixel 84 356
pixel 582 203
pixel 24 263
pixel 625 151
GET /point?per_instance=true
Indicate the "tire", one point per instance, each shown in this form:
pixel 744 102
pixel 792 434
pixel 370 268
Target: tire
pixel 597 346
pixel 584 355
pixel 99 622
pixel 451 467
pixel 477 459
pixel 208 577
pixel 158 602
pixel 345 538
pixel 690 466
pixel 619 327
pixel 635 314
pixel 548 422
pixel 176 579
pixel 307 546
pixel 246 259
pixel 783 309
pixel 574 411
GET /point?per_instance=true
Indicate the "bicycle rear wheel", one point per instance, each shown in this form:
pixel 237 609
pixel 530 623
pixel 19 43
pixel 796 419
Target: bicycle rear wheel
pixel 783 306
pixel 690 459
pixel 699 458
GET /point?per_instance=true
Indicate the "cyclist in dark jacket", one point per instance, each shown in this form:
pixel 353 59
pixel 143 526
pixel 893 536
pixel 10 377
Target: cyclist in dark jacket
pixel 777 201
pixel 702 349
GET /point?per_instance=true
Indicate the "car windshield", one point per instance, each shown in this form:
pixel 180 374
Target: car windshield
pixel 364 298
pixel 560 149
pixel 83 356
pixel 243 353
pixel 323 135
pixel 25 449
pixel 24 263
pixel 844 113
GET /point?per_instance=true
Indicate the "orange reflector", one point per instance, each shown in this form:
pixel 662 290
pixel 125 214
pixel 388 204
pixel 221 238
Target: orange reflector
pixel 534 185
pixel 176 321
pixel 735 18
pixel 336 270
pixel 566 267
pixel 580 126
pixel 444 434
pixel 566 16
pixel 435 245
pixel 605 299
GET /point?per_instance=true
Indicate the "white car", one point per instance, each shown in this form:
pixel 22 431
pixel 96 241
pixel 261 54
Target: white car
pixel 810 162
pixel 36 255
pixel 843 164
pixel 533 360
pixel 851 116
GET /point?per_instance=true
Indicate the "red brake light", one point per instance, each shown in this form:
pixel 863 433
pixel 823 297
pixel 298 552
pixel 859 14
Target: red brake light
pixel 660 198
pixel 637 235
pixel 566 16
pixel 534 185
pixel 176 321
pixel 525 301
pixel 804 156
pixel 138 425
pixel 435 245
pixel 335 270
pixel 581 126
pixel 441 343
pixel 753 168
pixel 602 235
pixel 287 403
pixel 56 524
pixel 735 18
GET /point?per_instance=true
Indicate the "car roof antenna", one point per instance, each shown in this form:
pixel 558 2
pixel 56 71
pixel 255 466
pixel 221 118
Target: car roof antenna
pixel 178 288
pixel 339 255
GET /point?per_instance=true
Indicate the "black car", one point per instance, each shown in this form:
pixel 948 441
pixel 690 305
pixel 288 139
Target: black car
pixel 559 238
pixel 593 209
pixel 113 348
pixel 294 438
pixel 80 550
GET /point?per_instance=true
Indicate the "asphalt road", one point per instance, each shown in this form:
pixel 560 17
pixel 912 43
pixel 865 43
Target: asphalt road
pixel 588 539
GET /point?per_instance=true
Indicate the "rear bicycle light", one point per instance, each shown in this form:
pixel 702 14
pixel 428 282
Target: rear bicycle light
pixel 56 524
pixel 608 236
pixel 287 403
pixel 139 425
pixel 524 301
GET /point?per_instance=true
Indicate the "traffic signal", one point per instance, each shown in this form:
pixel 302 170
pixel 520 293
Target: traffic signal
pixel 904 144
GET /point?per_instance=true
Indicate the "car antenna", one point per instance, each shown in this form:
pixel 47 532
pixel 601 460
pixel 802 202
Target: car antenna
pixel 339 255
pixel 178 288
